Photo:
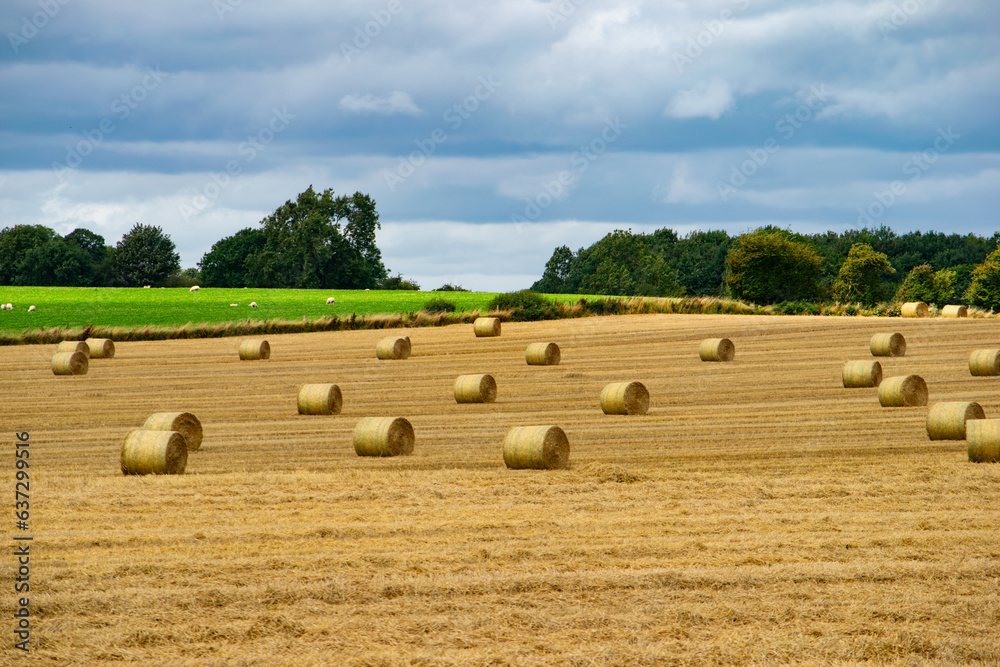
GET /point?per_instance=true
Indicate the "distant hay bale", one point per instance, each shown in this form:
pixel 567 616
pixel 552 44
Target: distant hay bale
pixel 954 311
pixel 184 423
pixel 536 447
pixel 153 452
pixel 101 348
pixel 542 354
pixel 983 437
pixel 717 349
pixel 383 436
pixel 862 374
pixel 914 309
pixel 393 347
pixel 320 399
pixel 946 421
pixel 888 345
pixel 625 398
pixel 254 349
pixel 70 363
pixel 73 346
pixel 486 326
pixel 984 362
pixel 902 391
pixel 475 389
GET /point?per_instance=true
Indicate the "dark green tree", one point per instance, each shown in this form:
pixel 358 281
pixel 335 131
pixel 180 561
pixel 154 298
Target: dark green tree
pixel 144 256
pixel 320 241
pixel 225 265
pixel 700 262
pixel 770 265
pixel 557 272
pixel 624 265
pixel 99 253
pixel 925 284
pixel 15 242
pixel 56 262
pixel 861 275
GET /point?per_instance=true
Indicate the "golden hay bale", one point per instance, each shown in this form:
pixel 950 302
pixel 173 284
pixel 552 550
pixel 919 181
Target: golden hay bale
pixel 101 348
pixel 717 349
pixel 383 436
pixel 625 398
pixel 888 345
pixel 486 326
pixel 154 452
pixel 70 363
pixel 914 309
pixel 393 347
pixel 475 389
pixel 184 423
pixel 320 399
pixel 254 349
pixel 73 346
pixel 538 447
pixel 902 391
pixel 542 354
pixel 983 437
pixel 862 374
pixel 984 362
pixel 954 311
pixel 946 421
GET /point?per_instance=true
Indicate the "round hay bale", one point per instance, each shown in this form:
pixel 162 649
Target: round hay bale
pixel 862 374
pixel 320 399
pixel 625 398
pixel 254 349
pixel 954 311
pixel 888 345
pixel 486 326
pixel 717 349
pixel 946 421
pixel 73 346
pixel 383 436
pixel 70 363
pixel 902 391
pixel 475 389
pixel 184 423
pixel 101 348
pixel 153 452
pixel 393 347
pixel 983 438
pixel 914 309
pixel 984 362
pixel 536 447
pixel 542 354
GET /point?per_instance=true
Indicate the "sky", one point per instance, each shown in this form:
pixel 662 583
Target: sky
pixel 490 133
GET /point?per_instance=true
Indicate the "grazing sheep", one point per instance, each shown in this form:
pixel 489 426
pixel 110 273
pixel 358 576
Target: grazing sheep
pixel 10 306
pixel 253 304
pixel 194 288
pixel 31 309
pixel 146 286
pixel 233 304
pixel 330 300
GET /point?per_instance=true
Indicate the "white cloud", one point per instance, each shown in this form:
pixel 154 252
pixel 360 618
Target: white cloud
pixel 710 99
pixel 395 102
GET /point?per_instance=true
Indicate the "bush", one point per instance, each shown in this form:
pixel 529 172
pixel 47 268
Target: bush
pixel 985 289
pixel 603 306
pixel 524 306
pixel 397 282
pixel 860 276
pixel 448 287
pixel 770 266
pixel 922 283
pixel 797 308
pixel 440 306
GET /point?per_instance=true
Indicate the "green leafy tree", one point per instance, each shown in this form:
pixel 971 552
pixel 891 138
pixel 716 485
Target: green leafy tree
pixel 56 262
pixel 925 284
pixel 15 242
pixel 624 265
pixel 320 241
pixel 700 262
pixel 769 266
pixel 398 282
pixel 99 253
pixel 225 265
pixel 861 275
pixel 985 289
pixel 557 272
pixel 144 256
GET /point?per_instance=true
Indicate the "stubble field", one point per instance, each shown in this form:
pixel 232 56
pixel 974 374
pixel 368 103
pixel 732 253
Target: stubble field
pixel 759 513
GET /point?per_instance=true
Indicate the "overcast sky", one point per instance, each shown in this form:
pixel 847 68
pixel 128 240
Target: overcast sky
pixel 490 133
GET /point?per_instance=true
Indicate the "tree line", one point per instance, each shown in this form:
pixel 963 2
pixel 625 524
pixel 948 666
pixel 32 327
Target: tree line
pixel 772 265
pixel 317 241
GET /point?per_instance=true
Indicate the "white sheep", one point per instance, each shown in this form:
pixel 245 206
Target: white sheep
pixel 194 288
pixel 10 306
pixel 253 304
pixel 146 286
pixel 233 305
pixel 31 309
pixel 330 300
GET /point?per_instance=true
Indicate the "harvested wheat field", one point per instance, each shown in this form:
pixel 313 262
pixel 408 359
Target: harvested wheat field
pixel 759 513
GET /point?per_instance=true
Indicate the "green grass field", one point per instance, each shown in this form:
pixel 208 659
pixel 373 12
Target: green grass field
pixel 110 306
